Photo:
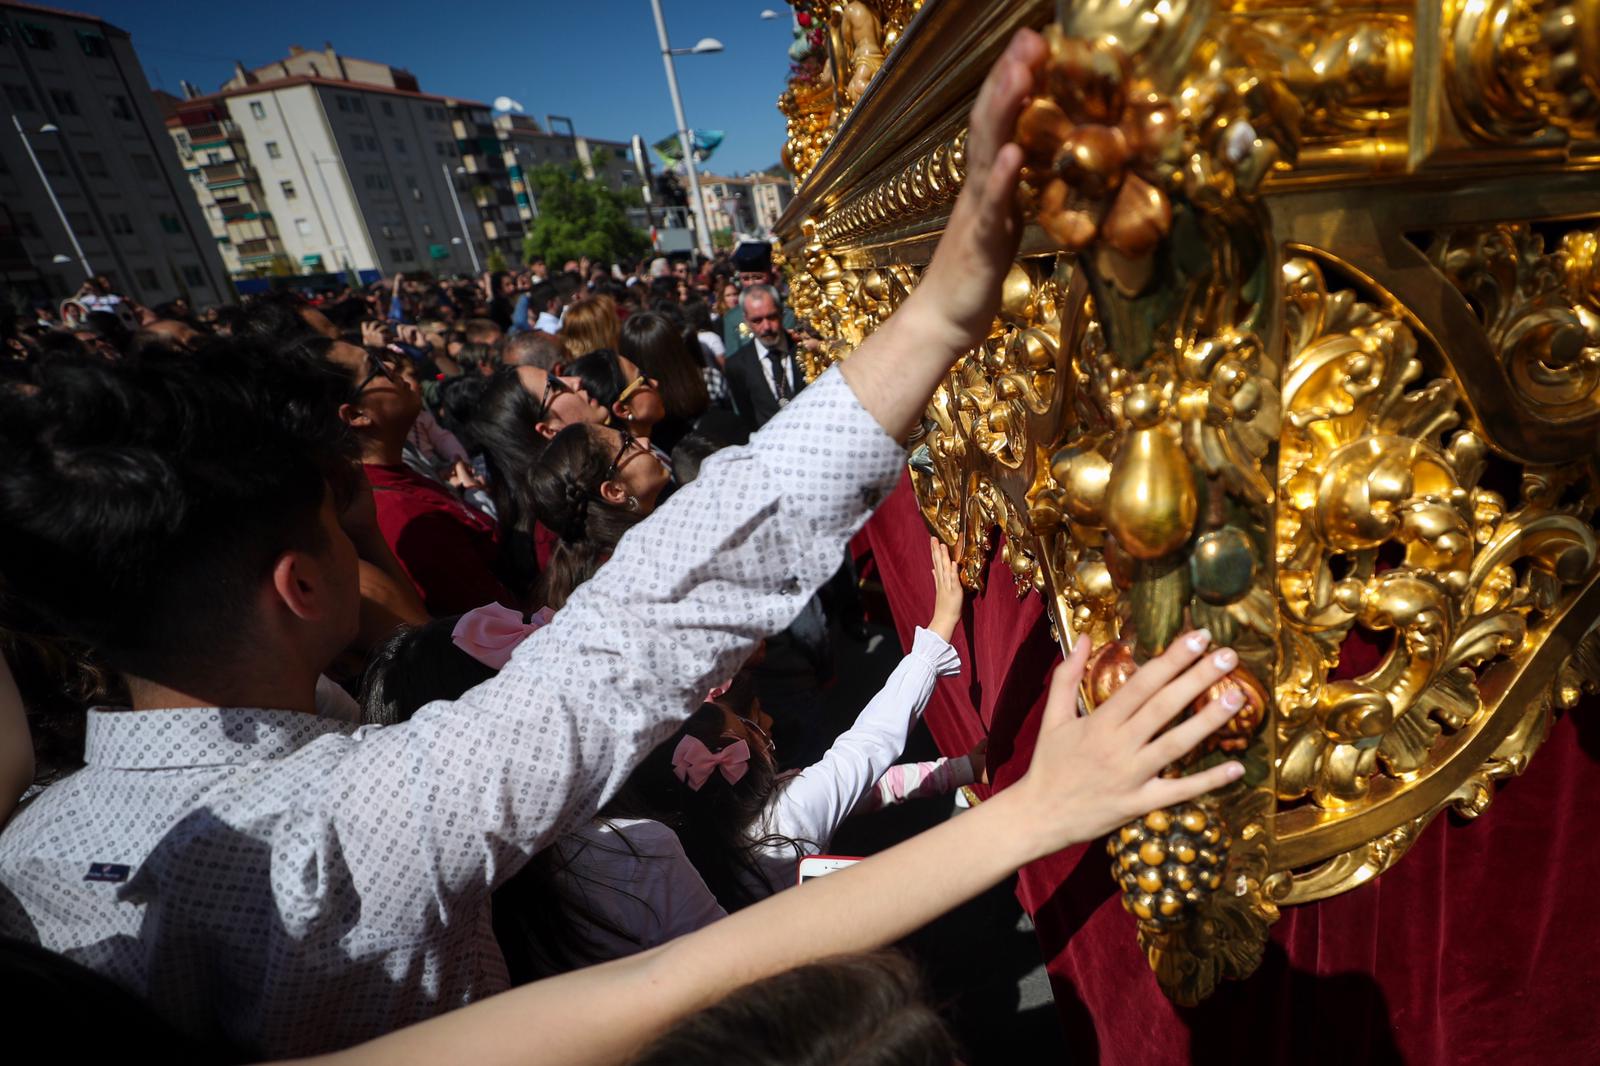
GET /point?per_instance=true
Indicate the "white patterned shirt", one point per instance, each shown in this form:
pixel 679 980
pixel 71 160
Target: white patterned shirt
pixel 294 884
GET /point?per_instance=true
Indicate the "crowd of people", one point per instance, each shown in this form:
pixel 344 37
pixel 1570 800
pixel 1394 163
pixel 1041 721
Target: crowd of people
pixel 452 652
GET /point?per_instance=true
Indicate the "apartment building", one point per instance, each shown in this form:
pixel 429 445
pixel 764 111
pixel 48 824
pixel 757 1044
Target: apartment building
pixel 484 177
pixel 769 195
pixel 525 145
pixel 76 100
pixel 227 187
pixel 344 163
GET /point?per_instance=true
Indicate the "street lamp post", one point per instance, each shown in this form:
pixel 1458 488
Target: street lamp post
pixel 461 216
pixel 684 140
pixel 88 272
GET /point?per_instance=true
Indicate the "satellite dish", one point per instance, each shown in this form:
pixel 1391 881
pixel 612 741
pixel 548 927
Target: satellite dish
pixel 505 103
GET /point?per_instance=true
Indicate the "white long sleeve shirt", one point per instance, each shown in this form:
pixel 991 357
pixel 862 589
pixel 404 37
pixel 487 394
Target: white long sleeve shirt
pixel 296 884
pixel 810 806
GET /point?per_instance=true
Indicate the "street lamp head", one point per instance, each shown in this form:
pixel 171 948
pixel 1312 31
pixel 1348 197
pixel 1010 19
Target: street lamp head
pixel 455 240
pixel 59 259
pixel 49 127
pixel 461 170
pixel 705 46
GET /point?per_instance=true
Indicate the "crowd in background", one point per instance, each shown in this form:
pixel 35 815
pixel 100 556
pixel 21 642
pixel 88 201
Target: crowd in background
pixel 458 643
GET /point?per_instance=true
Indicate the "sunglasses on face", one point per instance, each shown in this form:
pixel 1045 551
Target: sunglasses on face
pixel 377 368
pixel 638 384
pixel 553 387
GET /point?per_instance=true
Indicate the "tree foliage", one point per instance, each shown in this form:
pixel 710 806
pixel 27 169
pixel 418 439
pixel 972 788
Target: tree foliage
pixel 578 217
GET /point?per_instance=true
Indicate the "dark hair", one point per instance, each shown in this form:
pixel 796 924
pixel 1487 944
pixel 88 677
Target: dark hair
pixel 852 1010
pixel 504 426
pixel 715 822
pixel 459 398
pixel 474 355
pixel 601 374
pixel 656 346
pixel 484 331
pixel 142 503
pixel 414 667
pixel 697 313
pixel 691 451
pixel 564 492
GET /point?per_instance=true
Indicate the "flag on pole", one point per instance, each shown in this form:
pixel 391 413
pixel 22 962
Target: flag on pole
pixel 704 141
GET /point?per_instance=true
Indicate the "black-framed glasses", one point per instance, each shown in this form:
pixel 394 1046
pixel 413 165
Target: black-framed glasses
pixel 553 386
pixel 377 368
pixel 629 443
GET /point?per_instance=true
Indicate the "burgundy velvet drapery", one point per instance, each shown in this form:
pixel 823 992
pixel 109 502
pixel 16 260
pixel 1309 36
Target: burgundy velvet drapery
pixel 1478 947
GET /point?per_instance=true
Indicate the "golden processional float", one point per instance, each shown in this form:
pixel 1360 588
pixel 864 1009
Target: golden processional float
pixel 1302 346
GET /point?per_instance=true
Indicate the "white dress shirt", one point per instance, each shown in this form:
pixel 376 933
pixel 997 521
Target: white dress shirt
pixel 547 323
pixel 296 884
pixel 766 371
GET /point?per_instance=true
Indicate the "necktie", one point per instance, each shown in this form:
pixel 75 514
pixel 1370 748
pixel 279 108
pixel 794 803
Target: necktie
pixel 780 376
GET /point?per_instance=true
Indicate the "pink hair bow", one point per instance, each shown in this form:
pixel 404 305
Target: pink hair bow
pixel 693 762
pixel 491 633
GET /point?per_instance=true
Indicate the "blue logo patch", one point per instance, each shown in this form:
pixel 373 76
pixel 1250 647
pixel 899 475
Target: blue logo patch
pixel 107 871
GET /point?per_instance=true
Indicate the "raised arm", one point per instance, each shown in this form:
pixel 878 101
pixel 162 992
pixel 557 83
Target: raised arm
pixel 1088 776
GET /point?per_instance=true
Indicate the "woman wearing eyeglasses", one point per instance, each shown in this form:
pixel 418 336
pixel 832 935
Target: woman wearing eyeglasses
pixel 618 384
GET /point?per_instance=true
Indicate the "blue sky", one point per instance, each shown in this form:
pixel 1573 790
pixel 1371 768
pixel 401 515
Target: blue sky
pixel 597 61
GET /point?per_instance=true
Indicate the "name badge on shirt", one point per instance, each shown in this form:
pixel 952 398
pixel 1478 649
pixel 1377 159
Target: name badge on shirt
pixel 114 872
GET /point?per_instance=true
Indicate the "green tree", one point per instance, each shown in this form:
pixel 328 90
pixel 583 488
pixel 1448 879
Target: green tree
pixel 578 217
pixel 497 259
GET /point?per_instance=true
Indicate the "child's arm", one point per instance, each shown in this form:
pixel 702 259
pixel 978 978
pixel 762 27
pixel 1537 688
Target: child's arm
pixel 919 780
pixel 811 805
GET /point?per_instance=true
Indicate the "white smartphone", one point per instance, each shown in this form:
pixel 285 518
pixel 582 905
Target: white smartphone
pixel 819 865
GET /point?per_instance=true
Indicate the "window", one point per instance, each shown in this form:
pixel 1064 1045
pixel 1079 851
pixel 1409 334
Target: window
pixel 375 181
pixel 26 224
pixel 358 105
pixel 272 150
pixel 36 36
pixel 287 188
pixel 82 223
pixel 170 224
pixel 147 279
pixel 64 101
pixel 50 160
pixel 19 97
pixel 192 275
pixel 302 226
pixel 120 107
pixel 388 109
pixel 372 144
pixel 120 223
pixel 343 102
pixel 213 159
pixel 93 44
pixel 94 164
pixel 400 145
pixel 257 110
pixel 145 166
pixel 427 229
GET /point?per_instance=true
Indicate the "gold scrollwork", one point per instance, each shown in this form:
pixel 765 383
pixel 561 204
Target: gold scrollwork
pixel 1540 310
pixel 1370 460
pixel 1523 70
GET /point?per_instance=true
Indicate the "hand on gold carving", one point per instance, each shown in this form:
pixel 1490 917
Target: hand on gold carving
pixel 962 283
pixel 1092 774
pixel 948 593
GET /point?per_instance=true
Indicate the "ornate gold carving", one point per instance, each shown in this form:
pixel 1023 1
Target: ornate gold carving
pixel 1369 459
pixel 1520 70
pixel 1540 310
pixel 1181 419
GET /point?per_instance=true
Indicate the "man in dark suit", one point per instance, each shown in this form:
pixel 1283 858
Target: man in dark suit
pixel 764 375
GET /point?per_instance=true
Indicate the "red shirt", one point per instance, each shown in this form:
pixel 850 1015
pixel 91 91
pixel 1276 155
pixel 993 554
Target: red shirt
pixel 448 549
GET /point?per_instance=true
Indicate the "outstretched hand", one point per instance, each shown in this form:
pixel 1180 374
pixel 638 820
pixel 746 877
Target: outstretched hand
pixel 1092 774
pixel 985 227
pixel 948 593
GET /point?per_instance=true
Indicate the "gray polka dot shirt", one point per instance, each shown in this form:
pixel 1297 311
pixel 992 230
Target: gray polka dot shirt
pixel 295 884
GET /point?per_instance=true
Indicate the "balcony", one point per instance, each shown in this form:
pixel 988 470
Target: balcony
pixel 211 134
pixel 240 210
pixel 259 249
pixel 225 174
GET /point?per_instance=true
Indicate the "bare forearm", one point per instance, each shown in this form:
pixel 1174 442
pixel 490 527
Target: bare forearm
pixel 16 744
pixel 604 1014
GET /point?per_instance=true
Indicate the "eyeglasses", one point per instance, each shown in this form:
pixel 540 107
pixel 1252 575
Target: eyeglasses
pixel 761 734
pixel 638 384
pixel 378 369
pixel 553 384
pixel 629 443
